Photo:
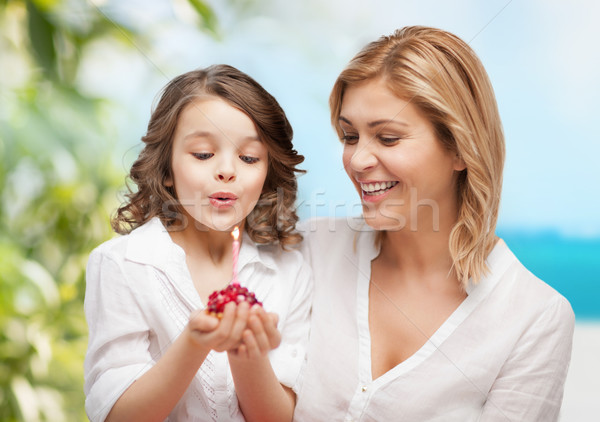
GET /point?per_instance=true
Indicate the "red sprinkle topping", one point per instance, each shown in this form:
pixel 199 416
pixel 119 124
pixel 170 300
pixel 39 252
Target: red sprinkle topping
pixel 232 293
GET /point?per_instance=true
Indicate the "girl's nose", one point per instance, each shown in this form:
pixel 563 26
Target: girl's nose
pixel 226 171
pixel 226 176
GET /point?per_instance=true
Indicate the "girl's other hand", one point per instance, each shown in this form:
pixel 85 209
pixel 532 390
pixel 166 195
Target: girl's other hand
pixel 261 336
pixel 220 335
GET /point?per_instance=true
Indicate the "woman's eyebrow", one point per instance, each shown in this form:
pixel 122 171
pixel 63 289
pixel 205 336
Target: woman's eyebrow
pixel 343 119
pixel 377 122
pixel 386 122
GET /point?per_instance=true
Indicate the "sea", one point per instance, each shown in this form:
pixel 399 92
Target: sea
pixel 570 265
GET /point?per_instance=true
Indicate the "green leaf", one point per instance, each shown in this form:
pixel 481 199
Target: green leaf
pixel 208 16
pixel 41 35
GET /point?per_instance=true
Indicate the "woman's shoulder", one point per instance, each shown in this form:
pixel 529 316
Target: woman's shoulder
pixel 326 230
pixel 544 297
pixel 528 293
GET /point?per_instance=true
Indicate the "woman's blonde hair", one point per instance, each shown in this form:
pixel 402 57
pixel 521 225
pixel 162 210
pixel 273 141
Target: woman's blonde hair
pixel 274 217
pixel 442 75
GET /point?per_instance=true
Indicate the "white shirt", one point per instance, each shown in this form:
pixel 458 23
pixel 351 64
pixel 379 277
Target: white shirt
pixel 501 356
pixel 139 296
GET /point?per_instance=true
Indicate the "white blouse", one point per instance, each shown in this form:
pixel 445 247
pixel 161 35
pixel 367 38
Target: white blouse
pixel 139 296
pixel 502 355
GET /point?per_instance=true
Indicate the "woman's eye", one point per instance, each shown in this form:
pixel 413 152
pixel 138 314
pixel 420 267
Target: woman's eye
pixel 389 140
pixel 202 155
pixel 350 139
pixel 248 160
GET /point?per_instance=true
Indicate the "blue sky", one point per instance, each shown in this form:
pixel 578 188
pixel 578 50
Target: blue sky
pixel 541 56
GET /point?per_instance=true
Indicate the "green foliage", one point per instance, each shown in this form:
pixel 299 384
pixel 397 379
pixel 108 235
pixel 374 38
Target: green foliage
pixel 207 15
pixel 58 186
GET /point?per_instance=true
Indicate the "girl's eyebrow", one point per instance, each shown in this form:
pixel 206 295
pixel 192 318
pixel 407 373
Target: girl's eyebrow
pixel 197 134
pixel 206 134
pixel 252 138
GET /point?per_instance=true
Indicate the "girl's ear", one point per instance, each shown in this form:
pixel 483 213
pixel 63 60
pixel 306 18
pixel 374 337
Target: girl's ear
pixel 168 182
pixel 459 163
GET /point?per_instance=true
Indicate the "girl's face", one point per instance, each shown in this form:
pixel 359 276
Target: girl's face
pixel 404 175
pixel 219 164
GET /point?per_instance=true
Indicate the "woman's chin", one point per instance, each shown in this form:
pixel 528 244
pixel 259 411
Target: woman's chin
pixel 388 223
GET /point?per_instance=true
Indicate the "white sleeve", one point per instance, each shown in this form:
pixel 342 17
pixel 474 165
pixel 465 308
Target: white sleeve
pixel 287 360
pixel 118 351
pixel 530 384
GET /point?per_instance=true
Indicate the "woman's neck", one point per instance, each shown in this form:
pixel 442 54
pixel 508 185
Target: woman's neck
pixel 421 251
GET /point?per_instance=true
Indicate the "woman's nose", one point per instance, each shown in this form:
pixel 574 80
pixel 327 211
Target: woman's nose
pixel 362 157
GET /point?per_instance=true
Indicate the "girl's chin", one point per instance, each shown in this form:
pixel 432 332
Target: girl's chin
pixel 218 223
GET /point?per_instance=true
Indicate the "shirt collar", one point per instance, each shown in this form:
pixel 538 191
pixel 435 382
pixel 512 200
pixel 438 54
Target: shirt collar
pixel 250 253
pixel 367 242
pixel 151 244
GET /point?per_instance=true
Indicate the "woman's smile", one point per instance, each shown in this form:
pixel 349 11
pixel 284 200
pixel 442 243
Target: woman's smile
pixel 375 191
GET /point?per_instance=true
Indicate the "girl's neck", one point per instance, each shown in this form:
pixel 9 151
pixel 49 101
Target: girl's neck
pixel 204 243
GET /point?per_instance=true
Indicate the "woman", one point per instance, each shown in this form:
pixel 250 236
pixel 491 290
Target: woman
pixel 424 314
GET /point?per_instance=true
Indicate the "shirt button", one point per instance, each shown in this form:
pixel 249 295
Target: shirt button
pixel 294 353
pixel 364 388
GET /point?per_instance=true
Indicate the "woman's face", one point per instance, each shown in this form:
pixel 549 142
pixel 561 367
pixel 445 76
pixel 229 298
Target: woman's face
pixel 404 175
pixel 219 163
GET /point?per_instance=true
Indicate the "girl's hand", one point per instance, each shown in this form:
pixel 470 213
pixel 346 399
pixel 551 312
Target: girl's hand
pixel 208 332
pixel 261 335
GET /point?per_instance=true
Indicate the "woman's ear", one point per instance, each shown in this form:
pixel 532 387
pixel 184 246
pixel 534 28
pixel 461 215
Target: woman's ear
pixel 168 182
pixel 459 163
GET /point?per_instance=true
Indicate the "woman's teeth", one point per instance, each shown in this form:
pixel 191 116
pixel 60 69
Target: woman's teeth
pixel 377 188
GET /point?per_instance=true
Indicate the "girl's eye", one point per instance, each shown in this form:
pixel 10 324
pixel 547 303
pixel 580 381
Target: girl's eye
pixel 248 160
pixel 350 139
pixel 202 155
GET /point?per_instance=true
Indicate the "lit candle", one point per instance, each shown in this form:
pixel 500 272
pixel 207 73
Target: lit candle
pixel 236 251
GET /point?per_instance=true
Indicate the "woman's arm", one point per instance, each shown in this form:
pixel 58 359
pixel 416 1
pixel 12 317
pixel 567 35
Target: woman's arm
pixel 154 395
pixel 261 396
pixel 530 385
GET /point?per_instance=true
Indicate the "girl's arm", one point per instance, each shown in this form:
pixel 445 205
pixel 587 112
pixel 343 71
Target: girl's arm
pixel 154 395
pixel 261 396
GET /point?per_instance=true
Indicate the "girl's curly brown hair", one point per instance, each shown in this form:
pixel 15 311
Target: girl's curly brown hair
pixel 274 217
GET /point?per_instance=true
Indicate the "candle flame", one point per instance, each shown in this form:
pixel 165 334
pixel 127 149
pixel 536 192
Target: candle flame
pixel 235 233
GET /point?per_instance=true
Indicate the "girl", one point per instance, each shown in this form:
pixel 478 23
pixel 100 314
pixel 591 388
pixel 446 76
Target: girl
pixel 217 154
pixel 426 315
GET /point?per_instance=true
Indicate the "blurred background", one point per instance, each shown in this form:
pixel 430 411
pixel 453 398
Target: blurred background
pixel 77 81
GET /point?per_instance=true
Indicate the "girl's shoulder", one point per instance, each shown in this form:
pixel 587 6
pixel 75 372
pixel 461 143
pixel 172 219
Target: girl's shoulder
pixel 275 257
pixel 115 247
pixel 139 243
